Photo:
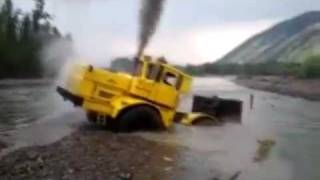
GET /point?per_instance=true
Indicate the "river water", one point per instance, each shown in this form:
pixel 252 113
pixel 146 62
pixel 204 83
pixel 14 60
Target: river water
pixel 32 113
pixel 294 124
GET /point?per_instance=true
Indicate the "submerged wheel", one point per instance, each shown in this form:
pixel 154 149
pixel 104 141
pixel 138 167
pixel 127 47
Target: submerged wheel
pixel 103 121
pixel 92 117
pixel 139 118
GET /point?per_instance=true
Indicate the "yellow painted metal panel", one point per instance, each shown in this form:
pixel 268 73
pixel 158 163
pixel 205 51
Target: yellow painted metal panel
pixel 109 92
pixel 102 108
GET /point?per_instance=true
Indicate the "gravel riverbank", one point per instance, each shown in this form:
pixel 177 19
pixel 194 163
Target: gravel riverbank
pixel 92 153
pixel 308 89
pixel 2 146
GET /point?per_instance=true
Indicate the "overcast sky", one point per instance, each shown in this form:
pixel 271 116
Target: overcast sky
pixel 191 31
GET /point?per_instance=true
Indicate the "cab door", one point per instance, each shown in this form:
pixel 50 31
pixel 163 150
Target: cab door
pixel 165 90
pixel 143 84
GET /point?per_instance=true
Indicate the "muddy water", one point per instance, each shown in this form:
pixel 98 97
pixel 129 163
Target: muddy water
pixel 222 151
pixel 31 113
pixel 23 103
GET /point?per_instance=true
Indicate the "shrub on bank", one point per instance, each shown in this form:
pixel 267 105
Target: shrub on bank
pixel 311 67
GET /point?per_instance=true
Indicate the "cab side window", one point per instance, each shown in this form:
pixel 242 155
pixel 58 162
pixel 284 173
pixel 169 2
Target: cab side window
pixel 170 79
pixel 154 72
pixel 138 68
pixel 150 71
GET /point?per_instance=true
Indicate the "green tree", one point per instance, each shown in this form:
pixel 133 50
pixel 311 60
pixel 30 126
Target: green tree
pixel 311 67
pixel 56 32
pixel 39 14
pixel 26 30
pixel 22 37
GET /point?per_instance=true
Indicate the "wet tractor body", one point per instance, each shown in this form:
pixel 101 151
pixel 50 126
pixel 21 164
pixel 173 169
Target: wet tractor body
pixel 146 97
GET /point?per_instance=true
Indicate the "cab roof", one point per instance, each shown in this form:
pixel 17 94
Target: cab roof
pixel 163 62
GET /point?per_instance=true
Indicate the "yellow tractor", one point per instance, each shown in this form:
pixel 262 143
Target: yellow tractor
pixel 145 98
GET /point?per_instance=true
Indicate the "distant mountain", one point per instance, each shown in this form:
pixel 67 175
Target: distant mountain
pixel 288 41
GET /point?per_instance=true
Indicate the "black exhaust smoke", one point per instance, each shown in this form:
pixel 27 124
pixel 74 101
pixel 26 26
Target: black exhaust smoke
pixel 150 14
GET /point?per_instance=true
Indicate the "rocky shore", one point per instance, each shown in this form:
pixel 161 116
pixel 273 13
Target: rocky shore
pixel 304 88
pixel 92 153
pixel 2 146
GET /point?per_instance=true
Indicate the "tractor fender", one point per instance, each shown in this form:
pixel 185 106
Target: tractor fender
pixel 124 104
pixel 127 108
pixel 160 123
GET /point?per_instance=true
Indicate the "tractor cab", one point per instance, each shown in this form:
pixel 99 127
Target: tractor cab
pixel 159 82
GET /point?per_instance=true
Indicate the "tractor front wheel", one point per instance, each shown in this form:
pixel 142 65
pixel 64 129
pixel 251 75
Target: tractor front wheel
pixel 92 117
pixel 139 118
pixel 100 120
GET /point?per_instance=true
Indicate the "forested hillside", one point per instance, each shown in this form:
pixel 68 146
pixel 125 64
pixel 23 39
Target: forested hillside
pixel 22 37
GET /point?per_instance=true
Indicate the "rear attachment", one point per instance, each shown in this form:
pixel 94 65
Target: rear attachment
pixel 211 111
pixel 223 109
pixel 76 100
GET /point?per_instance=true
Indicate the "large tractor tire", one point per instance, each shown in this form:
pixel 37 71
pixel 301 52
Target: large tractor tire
pixel 103 121
pixel 139 118
pixel 92 117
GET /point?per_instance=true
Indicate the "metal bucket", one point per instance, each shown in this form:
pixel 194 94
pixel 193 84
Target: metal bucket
pixel 223 109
